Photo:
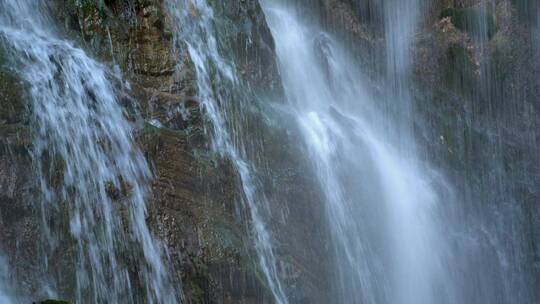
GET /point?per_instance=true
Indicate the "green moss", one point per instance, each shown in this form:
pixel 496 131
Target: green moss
pixel 252 270
pixel 475 21
pixel 222 235
pixel 459 72
pixel 85 8
pixel 17 135
pixel 149 128
pixel 197 293
pixel 2 58
pixel 12 101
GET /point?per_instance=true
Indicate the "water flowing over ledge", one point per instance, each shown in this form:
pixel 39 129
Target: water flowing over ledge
pixel 333 151
pixel 380 207
pixel 194 26
pixel 81 130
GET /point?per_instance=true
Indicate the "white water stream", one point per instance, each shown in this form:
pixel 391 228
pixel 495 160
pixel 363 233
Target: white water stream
pixel 381 207
pixel 83 149
pixel 216 77
pixel 395 238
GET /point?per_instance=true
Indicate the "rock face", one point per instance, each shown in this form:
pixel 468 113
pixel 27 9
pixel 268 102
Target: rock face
pixel 195 193
pixel 477 93
pixel 476 76
pixel 19 225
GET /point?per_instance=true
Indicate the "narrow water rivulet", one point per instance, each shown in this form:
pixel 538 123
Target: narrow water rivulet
pixel 217 84
pixel 5 285
pixel 83 152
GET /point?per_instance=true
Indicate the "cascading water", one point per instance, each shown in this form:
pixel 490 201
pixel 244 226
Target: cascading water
pixel 5 290
pixel 382 209
pixel 400 18
pixel 492 251
pixel 83 152
pixel 216 79
pixel 398 228
pixel 399 233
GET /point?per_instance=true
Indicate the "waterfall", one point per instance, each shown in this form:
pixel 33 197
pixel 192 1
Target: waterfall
pixel 400 19
pixel 87 165
pixel 401 232
pixel 385 151
pixel 382 209
pixel 5 290
pixel 217 82
pixel 492 250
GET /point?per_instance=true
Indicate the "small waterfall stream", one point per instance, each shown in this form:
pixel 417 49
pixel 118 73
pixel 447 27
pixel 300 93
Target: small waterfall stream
pixel 5 286
pixel 83 152
pixel 381 208
pixel 217 81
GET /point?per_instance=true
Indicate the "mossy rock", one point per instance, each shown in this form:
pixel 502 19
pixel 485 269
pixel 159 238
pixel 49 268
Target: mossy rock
pixel 460 69
pixel 12 98
pixel 475 21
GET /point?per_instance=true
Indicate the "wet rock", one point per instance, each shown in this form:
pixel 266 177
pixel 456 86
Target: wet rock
pixel 192 209
pixel 460 72
pixel 13 107
pixel 193 206
pixel 475 21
